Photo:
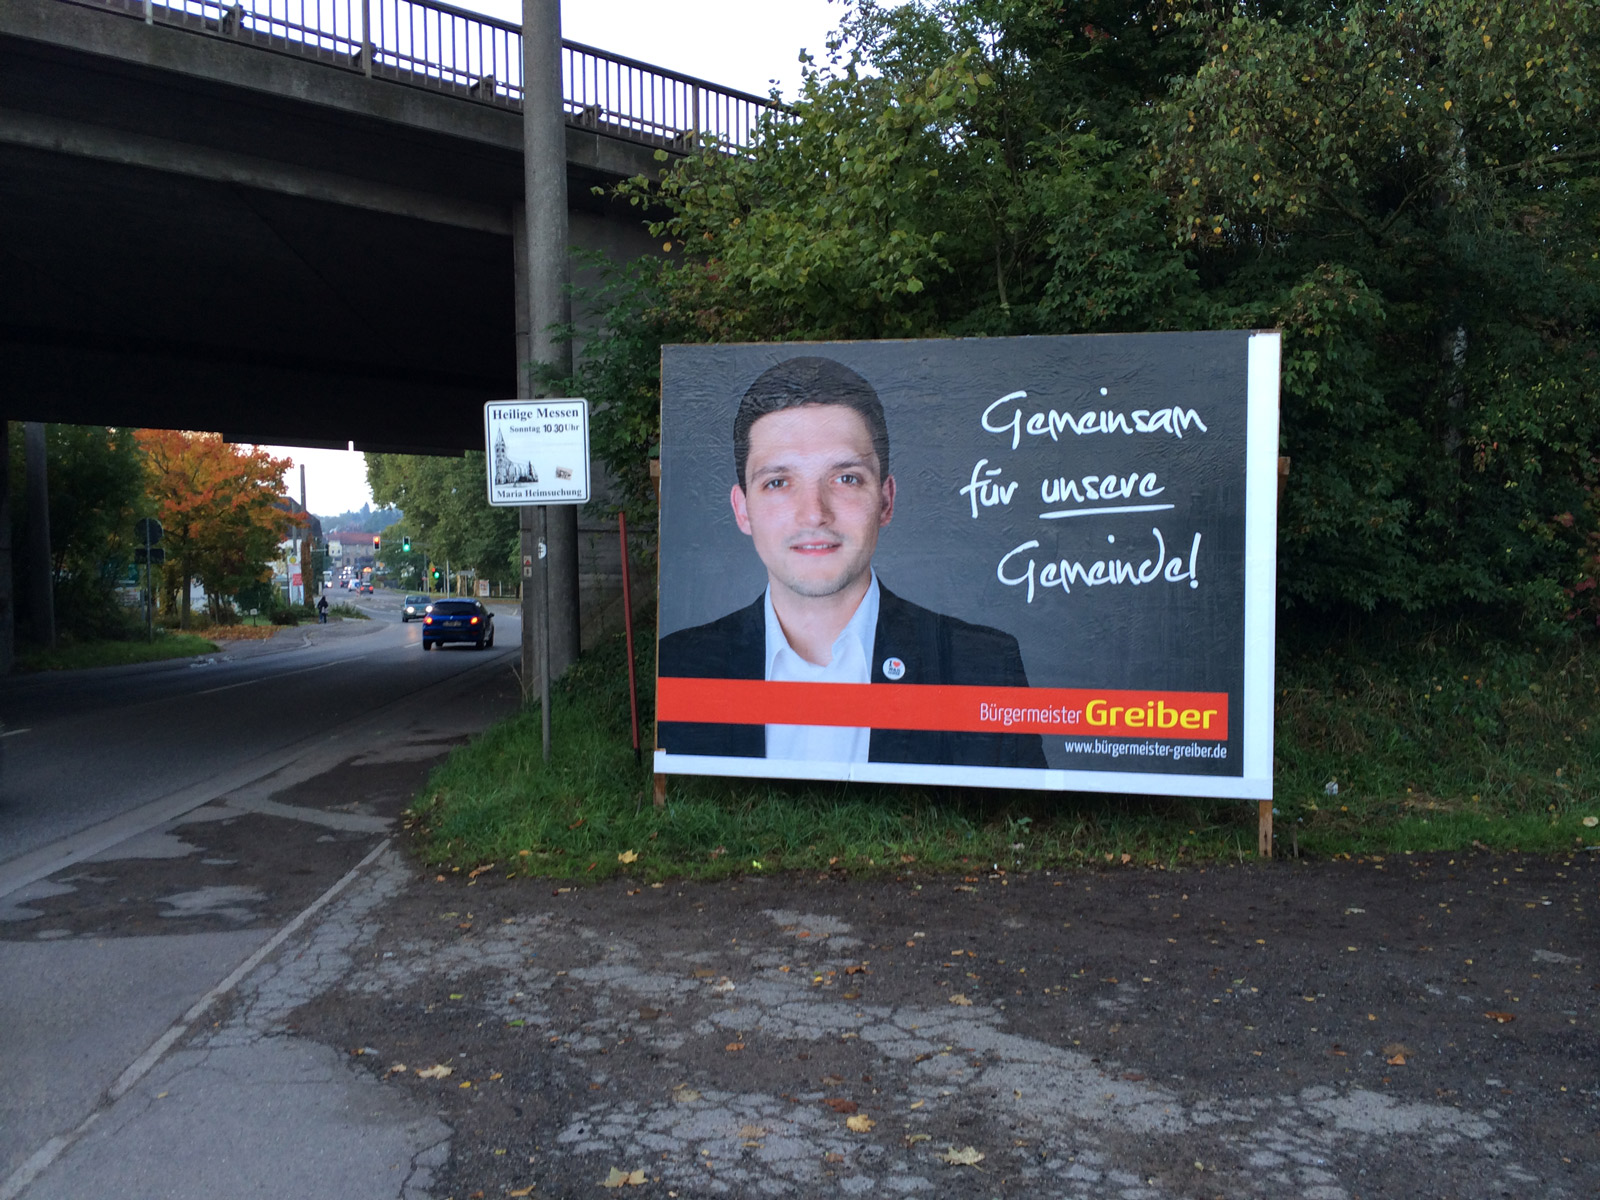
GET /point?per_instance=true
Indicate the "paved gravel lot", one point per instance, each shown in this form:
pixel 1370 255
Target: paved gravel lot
pixel 1421 1026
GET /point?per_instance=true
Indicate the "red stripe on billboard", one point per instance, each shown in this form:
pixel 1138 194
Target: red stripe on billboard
pixel 1200 716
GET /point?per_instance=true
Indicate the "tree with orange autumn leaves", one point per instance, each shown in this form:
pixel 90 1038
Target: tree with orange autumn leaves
pixel 218 505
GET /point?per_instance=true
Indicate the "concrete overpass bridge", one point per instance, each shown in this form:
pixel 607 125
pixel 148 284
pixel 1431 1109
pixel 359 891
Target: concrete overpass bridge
pixel 292 220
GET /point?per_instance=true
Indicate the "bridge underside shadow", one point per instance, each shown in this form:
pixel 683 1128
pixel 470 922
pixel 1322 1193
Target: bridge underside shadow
pixel 138 297
pixel 206 235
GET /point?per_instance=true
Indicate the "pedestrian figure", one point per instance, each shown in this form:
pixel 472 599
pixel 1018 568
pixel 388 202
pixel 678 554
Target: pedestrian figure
pixel 322 610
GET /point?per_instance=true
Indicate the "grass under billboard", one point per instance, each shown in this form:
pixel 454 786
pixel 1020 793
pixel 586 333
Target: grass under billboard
pixel 1433 743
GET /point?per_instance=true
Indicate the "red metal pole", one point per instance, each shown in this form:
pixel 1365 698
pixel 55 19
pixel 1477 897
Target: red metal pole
pixel 627 621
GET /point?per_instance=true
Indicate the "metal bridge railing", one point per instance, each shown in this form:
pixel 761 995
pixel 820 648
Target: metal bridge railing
pixel 428 44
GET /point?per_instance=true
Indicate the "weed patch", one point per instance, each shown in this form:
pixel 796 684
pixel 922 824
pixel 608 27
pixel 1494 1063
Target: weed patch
pixel 77 656
pixel 1374 756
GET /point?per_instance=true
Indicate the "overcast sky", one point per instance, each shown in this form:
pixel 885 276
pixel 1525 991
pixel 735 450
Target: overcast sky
pixel 738 43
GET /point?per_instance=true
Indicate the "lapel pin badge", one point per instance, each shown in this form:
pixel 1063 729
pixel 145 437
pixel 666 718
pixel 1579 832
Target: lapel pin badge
pixel 894 668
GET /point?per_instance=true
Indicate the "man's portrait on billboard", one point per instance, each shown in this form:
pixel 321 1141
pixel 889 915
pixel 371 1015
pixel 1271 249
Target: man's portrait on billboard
pixel 813 491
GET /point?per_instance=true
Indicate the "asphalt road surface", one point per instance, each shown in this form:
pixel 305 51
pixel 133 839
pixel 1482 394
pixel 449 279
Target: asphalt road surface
pixel 159 823
pixel 83 747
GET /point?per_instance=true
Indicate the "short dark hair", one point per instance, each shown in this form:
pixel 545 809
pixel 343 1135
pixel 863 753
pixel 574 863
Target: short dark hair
pixel 798 382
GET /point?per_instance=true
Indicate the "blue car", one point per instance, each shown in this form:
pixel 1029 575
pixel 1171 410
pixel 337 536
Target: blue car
pixel 458 621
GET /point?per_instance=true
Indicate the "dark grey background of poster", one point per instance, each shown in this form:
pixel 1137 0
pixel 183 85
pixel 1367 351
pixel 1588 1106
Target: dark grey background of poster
pixel 1159 635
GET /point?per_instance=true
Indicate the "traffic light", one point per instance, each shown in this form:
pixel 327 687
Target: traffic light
pixel 405 545
pixel 437 576
pixel 377 542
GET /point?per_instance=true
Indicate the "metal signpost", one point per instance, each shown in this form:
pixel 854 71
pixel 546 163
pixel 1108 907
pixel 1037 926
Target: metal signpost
pixel 149 531
pixel 537 454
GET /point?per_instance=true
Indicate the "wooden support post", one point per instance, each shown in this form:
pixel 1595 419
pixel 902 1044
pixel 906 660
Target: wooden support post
pixel 659 786
pixel 1264 828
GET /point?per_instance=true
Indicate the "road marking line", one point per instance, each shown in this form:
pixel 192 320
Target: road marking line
pixel 280 675
pixel 41 1159
pixel 14 732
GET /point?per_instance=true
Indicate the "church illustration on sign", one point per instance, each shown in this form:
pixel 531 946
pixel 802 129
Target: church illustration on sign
pixel 506 471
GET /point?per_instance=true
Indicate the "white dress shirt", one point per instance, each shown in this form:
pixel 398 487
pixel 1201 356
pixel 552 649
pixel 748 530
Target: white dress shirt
pixel 850 662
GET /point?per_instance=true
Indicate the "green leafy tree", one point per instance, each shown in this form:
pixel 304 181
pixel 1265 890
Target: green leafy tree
pixel 445 501
pixel 949 169
pixel 97 477
pixel 941 192
pixel 1408 191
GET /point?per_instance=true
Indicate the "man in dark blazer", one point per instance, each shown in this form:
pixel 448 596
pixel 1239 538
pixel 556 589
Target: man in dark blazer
pixel 811 459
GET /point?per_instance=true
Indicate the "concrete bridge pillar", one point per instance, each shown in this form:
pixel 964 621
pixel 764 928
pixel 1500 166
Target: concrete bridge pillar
pixel 41 563
pixel 544 310
pixel 7 592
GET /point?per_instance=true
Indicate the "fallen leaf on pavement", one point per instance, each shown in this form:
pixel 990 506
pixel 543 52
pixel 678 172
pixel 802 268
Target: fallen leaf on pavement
pixel 527 1191
pixel 833 1156
pixel 684 1095
pixel 734 1047
pixel 397 1069
pixel 703 972
pixel 958 998
pixel 841 1105
pixel 628 856
pixel 623 1178
pixel 970 1157
pixel 649 1014
pixel 438 1072
pixel 1502 1018
pixel 1398 1060
pixel 913 1138
pixel 860 1123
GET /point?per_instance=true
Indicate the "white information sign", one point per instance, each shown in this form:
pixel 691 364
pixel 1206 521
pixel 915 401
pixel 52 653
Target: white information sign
pixel 538 451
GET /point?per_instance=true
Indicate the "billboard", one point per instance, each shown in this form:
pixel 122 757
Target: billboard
pixel 1040 562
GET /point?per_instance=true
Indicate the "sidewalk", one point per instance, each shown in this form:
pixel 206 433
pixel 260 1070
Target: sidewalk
pixel 295 637
pixel 1416 1027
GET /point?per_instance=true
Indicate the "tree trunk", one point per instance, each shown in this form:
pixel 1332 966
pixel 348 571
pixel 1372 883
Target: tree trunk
pixel 41 563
